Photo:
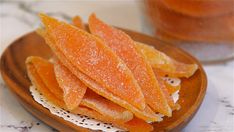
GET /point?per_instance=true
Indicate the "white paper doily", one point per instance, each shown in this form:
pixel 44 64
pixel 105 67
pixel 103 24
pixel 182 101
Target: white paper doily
pixel 79 120
pixel 85 121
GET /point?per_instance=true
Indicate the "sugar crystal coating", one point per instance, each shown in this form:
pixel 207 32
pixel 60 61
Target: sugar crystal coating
pixel 147 114
pixel 42 76
pixel 73 89
pixel 126 49
pixel 106 107
pixel 169 66
pixel 89 55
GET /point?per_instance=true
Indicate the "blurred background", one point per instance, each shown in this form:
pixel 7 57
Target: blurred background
pixel 205 28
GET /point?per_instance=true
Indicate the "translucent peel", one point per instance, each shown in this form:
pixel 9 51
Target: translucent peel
pixel 77 21
pixel 166 93
pixel 73 89
pixel 169 66
pixel 106 107
pixel 147 114
pixel 35 75
pixel 77 94
pixel 126 49
pixel 132 124
pixel 172 89
pixel 89 55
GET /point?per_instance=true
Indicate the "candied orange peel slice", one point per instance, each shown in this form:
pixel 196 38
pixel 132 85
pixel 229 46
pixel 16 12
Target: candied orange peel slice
pixel 73 89
pixel 106 75
pixel 39 83
pixel 166 93
pixel 89 55
pixel 76 93
pixel 138 125
pixel 39 70
pixel 169 66
pixel 146 114
pixel 133 125
pixel 106 107
pixel 126 49
pixel 172 89
pixel 35 63
pixel 77 21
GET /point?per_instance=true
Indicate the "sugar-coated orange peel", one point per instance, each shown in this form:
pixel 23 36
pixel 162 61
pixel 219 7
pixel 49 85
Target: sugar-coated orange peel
pixel 41 74
pixel 77 21
pixel 105 74
pixel 91 103
pixel 146 114
pixel 169 66
pixel 73 89
pixel 91 56
pixel 105 107
pixel 126 49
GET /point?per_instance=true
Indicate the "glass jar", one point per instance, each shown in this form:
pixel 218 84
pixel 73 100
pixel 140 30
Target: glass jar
pixel 202 27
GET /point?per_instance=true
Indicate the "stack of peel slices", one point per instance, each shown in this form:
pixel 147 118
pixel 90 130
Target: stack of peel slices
pixel 105 75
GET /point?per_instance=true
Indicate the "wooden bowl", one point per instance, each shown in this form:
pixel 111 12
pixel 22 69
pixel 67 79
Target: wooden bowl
pixel 13 71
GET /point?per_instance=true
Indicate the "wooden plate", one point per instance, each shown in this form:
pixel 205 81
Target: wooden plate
pixel 12 67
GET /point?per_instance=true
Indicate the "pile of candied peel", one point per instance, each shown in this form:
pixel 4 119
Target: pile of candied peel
pixel 105 75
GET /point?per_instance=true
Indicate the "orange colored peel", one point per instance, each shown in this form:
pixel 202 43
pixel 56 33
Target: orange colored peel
pixel 89 55
pixel 166 93
pixel 38 69
pixel 126 49
pixel 105 107
pixel 133 125
pixel 138 125
pixel 77 21
pixel 169 66
pixel 147 114
pixel 171 89
pixel 46 73
pixel 73 88
pixel 75 93
pixel 37 81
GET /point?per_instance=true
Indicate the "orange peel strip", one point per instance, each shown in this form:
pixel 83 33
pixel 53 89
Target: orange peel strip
pixel 73 89
pixel 133 125
pixel 171 89
pixel 77 21
pixel 37 69
pixel 77 94
pixel 90 55
pixel 106 107
pixel 138 125
pixel 147 114
pixel 166 93
pixel 169 66
pixel 126 49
